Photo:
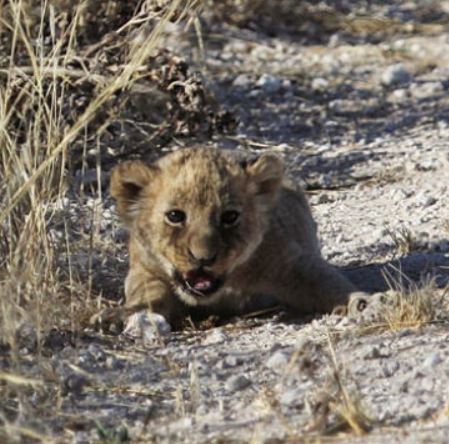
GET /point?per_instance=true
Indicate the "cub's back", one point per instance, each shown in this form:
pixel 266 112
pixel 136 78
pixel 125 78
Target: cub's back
pixel 293 221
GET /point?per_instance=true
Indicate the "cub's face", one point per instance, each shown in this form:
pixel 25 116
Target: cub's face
pixel 197 214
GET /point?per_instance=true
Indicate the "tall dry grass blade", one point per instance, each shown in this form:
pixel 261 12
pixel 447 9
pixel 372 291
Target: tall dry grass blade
pixel 349 407
pixel 121 81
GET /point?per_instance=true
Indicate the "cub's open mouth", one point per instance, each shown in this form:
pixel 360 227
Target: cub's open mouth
pixel 199 282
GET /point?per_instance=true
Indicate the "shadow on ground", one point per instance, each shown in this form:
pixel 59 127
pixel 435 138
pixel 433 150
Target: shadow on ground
pixel 414 269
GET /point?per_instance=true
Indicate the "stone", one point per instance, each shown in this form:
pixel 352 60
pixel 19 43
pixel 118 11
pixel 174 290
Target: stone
pixel 399 95
pixel 395 75
pixel 242 81
pixel 146 326
pixel 74 383
pixel 269 83
pixel 96 351
pixel 319 84
pixel 278 361
pixel 215 336
pixel 425 90
pixel 390 368
pixel 424 200
pixel 399 194
pixel 237 383
pixel 433 360
pixel 26 337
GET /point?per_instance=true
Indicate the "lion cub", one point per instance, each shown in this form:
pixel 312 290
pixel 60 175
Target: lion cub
pixel 212 234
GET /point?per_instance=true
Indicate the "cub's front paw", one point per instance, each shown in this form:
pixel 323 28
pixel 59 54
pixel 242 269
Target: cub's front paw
pixel 147 326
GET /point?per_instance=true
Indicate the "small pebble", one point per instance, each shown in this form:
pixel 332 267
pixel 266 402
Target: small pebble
pixel 278 361
pixel 433 360
pixel 96 351
pixel 215 336
pixel 113 363
pixel 424 200
pixel 241 81
pixel 120 235
pixel 319 84
pixel 395 75
pixel 390 368
pixel 399 194
pixel 399 95
pixel 269 83
pixel 26 337
pixel 237 383
pixel 231 361
pixel 292 397
pixel 74 383
pixel 146 326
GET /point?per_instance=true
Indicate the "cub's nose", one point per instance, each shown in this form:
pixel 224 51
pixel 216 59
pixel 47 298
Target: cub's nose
pixel 202 258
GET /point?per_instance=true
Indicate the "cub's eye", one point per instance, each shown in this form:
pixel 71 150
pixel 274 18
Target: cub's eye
pixel 230 217
pixel 175 217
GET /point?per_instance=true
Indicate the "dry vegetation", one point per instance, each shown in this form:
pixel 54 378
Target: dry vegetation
pixel 406 305
pixel 71 79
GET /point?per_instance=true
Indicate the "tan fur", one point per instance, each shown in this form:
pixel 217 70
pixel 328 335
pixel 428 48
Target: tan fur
pixel 271 251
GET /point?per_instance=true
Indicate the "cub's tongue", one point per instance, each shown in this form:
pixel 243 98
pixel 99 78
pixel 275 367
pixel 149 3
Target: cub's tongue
pixel 199 280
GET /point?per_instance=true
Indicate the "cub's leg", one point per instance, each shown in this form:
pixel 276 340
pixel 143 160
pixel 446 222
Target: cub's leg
pixel 143 289
pixel 310 285
pixel 151 308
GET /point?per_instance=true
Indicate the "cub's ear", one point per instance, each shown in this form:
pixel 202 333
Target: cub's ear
pixel 266 175
pixel 127 181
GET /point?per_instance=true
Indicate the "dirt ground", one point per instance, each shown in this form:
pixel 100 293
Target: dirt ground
pixel 355 97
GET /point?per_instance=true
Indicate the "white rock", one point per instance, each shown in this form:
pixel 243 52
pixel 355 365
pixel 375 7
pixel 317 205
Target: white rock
pixel 429 165
pixel 319 84
pixel 146 326
pixel 255 93
pixel 242 81
pixel 399 95
pixel 269 83
pixel 433 360
pixel 424 200
pixel 278 361
pixel 215 336
pixel 399 194
pixel 395 75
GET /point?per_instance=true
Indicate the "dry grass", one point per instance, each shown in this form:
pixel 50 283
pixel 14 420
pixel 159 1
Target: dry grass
pixel 403 240
pixel 36 138
pixel 346 405
pixel 40 287
pixel 406 304
pixel 414 306
pixel 337 407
